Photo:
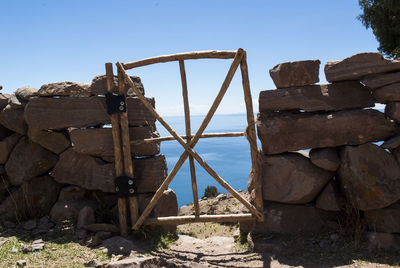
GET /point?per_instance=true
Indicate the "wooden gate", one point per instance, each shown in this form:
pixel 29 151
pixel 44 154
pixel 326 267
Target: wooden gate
pixel 122 144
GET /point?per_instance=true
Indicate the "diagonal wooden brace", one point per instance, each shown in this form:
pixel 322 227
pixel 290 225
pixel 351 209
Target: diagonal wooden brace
pixel 189 147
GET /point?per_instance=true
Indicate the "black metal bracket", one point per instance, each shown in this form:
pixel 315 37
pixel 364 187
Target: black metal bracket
pixel 116 103
pixel 125 186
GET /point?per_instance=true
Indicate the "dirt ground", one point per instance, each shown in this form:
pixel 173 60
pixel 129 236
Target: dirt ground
pixel 214 245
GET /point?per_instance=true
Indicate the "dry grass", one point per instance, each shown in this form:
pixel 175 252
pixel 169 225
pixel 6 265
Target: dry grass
pixel 62 250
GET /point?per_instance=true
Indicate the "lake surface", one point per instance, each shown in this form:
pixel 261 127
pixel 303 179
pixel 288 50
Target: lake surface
pixel 229 157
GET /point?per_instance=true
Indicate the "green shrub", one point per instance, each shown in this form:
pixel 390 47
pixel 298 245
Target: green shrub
pixel 211 191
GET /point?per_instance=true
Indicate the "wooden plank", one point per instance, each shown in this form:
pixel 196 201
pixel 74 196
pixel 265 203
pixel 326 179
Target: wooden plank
pixel 117 153
pixel 211 54
pixel 126 149
pixel 188 136
pixel 256 167
pixel 201 218
pixel 172 138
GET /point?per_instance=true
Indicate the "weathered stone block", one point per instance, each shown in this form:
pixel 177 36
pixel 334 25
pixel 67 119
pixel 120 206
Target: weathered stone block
pixel 98 175
pixel 40 194
pixel 61 113
pixel 28 160
pixel 99 85
pixel 332 97
pixel 71 192
pixel 387 93
pixel 369 176
pixel 14 102
pixel 25 93
pixel 64 89
pixel 325 158
pixel 386 220
pixel 13 118
pixel 358 66
pixel 13 207
pixel 5 132
pixel 282 132
pixel 99 141
pixel 7 145
pixel 292 178
pixel 383 241
pixel 330 198
pixel 377 81
pixel 69 210
pixel 4 98
pixel 53 141
pixel 392 143
pixel 287 219
pixel 297 73
pixel 166 206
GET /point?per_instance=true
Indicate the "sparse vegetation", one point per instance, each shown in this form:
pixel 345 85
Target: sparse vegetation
pixel 211 191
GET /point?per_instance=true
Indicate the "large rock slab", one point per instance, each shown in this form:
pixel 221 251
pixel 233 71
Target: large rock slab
pixel 377 81
pixel 386 220
pixel 4 188
pixel 392 110
pixel 13 207
pixel 5 132
pixel 392 143
pixel 61 113
pixel 40 195
pixel 325 158
pixel 13 118
pixel 287 219
pixel 291 178
pixel 330 198
pixel 332 97
pixel 4 98
pixel 7 145
pixel 358 66
pixel 94 174
pixel 369 176
pixel 28 160
pixel 64 89
pixel 99 141
pixel 297 73
pixel 387 93
pixel 25 93
pixel 53 141
pixel 283 132
pixel 166 206
pixel 69 210
pixel 99 85
pixel 383 241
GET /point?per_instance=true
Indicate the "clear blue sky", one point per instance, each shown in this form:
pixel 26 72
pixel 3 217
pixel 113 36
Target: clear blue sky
pixel 50 41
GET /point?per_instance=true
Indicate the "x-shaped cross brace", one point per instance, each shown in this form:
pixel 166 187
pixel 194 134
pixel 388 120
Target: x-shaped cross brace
pixel 188 146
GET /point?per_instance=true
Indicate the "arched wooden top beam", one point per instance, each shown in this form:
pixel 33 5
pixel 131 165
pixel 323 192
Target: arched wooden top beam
pixel 209 54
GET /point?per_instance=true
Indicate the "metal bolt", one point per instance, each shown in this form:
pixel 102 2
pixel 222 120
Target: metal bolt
pixel 131 191
pixel 121 108
pixel 130 182
pixel 117 189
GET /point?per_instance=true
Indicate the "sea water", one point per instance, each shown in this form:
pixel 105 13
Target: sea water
pixel 229 157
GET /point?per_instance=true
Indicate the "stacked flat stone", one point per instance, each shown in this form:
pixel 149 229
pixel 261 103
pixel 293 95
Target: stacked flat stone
pixel 57 156
pixel 302 194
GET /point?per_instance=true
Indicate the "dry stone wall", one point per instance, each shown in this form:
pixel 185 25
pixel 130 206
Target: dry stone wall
pixel 57 158
pixel 347 166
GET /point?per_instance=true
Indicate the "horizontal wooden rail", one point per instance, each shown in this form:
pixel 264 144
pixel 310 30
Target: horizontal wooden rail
pixel 171 138
pixel 210 54
pixel 200 218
